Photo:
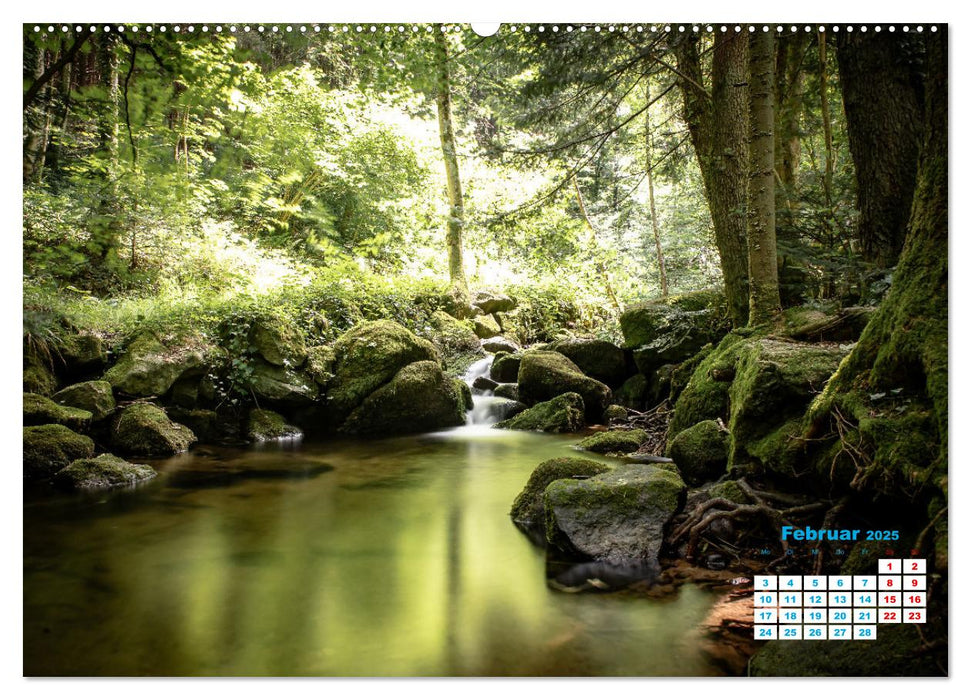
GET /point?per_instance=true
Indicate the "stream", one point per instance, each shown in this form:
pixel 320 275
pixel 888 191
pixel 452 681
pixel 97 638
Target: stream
pixel 390 557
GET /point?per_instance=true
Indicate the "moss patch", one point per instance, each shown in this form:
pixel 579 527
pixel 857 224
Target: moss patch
pixel 95 397
pixel 563 414
pixel 701 452
pixel 545 374
pixel 39 410
pixel 263 425
pixel 615 441
pixel 50 448
pixel 527 509
pixel 145 430
pixel 103 472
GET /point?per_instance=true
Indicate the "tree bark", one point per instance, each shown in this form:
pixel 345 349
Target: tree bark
pixel 904 348
pixel 35 118
pixel 764 303
pixel 882 95
pixel 717 125
pixel 456 218
pixel 827 129
pixel 789 93
pixel 649 166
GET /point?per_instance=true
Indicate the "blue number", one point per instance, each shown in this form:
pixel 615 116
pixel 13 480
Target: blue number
pixel 813 632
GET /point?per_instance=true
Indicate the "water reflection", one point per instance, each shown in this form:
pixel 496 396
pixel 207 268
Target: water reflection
pixel 388 557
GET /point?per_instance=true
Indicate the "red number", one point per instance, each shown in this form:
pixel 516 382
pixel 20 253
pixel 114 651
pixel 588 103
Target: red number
pixel 889 616
pixel 913 566
pixel 913 616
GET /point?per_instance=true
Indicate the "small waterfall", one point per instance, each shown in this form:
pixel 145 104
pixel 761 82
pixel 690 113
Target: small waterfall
pixel 486 408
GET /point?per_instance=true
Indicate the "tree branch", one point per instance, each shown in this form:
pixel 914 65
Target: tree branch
pixel 55 68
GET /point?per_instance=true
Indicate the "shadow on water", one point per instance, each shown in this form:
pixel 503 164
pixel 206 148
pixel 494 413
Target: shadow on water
pixel 388 557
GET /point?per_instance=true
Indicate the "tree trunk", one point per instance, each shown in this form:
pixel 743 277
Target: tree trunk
pixel 764 303
pixel 882 93
pixel 789 93
pixel 105 234
pixel 718 127
pixel 827 130
pixel 35 118
pixel 456 217
pixel 594 248
pixel 904 349
pixel 649 166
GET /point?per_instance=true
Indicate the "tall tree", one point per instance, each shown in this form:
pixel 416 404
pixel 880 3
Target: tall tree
pixel 648 169
pixel 789 95
pixel 718 127
pixel 456 217
pixel 764 303
pixel 882 96
pixel 904 445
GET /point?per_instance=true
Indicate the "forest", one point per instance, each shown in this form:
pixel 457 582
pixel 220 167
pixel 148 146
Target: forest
pixel 677 286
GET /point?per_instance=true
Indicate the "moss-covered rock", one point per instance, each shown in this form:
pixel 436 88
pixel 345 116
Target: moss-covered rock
pixel 263 425
pixel 149 368
pixel 39 410
pixel 596 358
pixel 490 301
pixel 320 364
pixel 614 441
pixel 38 379
pixel 369 356
pixel 50 448
pixel 452 337
pixel 465 391
pixel 705 396
pixel 486 326
pixel 678 336
pixel 614 412
pixel 633 392
pixel 507 391
pixel 419 398
pixel 102 472
pixel 527 510
pixel 617 517
pixel 280 385
pixel 544 375
pixel 499 344
pixel 93 396
pixel 892 653
pixel 505 367
pixel 279 342
pixel 701 452
pixel 561 414
pixel 775 381
pixel 145 430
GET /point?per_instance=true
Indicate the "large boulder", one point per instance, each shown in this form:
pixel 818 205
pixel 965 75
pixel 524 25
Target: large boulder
pixel 492 302
pixel 367 357
pixel 263 425
pixel 681 335
pixel 499 344
pixel 486 326
pixel 700 452
pixel 453 337
pixel 418 398
pixel 93 396
pixel 102 472
pixel 527 510
pixel 596 358
pixel 149 368
pixel 617 517
pixel 280 385
pixel 705 395
pixel 774 382
pixel 505 367
pixel 145 430
pixel 544 375
pixel 50 448
pixel 39 410
pixel 633 392
pixel 507 391
pixel 280 343
pixel 561 414
pixel 38 377
pixel 614 441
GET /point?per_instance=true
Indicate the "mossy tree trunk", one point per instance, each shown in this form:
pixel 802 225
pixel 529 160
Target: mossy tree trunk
pixel 764 303
pixel 717 125
pixel 446 130
pixel 901 444
pixel 881 84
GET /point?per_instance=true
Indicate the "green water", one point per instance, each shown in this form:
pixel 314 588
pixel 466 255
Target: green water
pixel 399 561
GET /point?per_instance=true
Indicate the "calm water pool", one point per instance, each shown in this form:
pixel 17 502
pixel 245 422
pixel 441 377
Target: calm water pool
pixel 389 557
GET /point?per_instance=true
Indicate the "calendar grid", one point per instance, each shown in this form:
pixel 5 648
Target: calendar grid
pixel 799 608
